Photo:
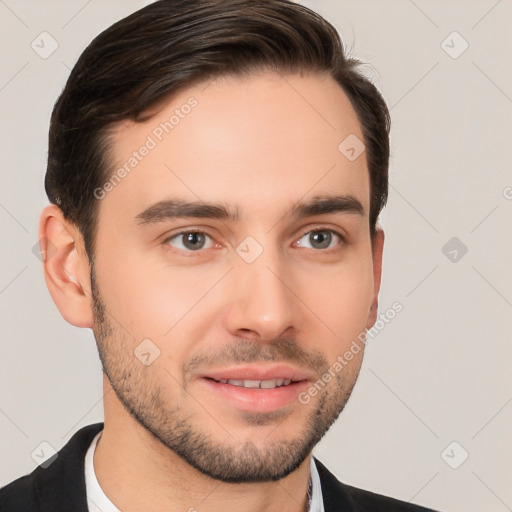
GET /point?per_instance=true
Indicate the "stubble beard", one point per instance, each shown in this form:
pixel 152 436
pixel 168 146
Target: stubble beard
pixel 228 461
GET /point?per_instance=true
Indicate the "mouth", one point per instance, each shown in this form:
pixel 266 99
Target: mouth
pixel 257 389
pixel 257 384
pixel 259 376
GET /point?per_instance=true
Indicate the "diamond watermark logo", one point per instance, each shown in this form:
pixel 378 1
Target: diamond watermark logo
pixel 146 352
pixel 249 250
pixel 351 147
pixel 454 249
pixel 41 254
pixel 44 454
pixel 44 45
pixel 454 455
pixel 454 45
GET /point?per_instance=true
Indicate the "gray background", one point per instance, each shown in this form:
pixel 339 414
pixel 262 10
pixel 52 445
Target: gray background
pixel 439 372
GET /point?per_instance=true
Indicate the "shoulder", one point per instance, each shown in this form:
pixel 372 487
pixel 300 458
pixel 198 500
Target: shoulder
pixel 61 483
pixel 19 494
pixel 338 496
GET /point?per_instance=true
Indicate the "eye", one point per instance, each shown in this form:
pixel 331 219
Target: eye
pixel 189 241
pixel 319 239
pixel 195 240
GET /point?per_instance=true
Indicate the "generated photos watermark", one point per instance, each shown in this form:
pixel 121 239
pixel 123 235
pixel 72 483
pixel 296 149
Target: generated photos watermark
pixel 156 136
pixel 361 340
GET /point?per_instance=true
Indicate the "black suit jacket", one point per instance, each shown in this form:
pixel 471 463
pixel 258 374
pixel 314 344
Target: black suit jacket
pixel 61 486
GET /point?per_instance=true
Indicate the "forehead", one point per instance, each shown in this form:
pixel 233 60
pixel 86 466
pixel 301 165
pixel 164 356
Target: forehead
pixel 260 143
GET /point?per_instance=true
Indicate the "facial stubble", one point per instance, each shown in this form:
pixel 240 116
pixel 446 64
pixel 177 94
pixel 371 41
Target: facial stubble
pixel 142 395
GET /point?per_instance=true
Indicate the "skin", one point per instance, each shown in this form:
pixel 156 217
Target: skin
pixel 258 143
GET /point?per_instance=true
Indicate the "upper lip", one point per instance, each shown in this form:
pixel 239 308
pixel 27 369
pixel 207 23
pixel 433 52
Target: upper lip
pixel 254 372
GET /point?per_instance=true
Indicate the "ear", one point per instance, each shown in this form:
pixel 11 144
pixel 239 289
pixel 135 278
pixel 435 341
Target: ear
pixel 378 247
pixel 66 267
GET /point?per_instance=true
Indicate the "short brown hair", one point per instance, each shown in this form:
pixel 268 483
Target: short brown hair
pixel 170 44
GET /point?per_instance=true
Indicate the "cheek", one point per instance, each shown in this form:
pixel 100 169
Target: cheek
pixel 149 299
pixel 152 298
pixel 342 297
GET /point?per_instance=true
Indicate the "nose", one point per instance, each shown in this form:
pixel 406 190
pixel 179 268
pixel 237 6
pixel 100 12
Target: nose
pixel 263 305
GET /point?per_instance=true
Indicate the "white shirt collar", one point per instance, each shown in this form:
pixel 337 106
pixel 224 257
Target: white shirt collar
pixel 98 501
pixel 317 502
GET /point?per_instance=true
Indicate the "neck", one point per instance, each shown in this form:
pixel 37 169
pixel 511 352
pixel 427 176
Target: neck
pixel 137 472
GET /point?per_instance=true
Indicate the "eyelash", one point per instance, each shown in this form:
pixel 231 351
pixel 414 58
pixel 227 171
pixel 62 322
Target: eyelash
pixel 200 232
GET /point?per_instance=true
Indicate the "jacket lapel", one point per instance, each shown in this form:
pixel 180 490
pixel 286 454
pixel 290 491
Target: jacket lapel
pixel 61 486
pixel 334 495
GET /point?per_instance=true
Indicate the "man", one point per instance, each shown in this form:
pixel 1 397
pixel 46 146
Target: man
pixel 216 171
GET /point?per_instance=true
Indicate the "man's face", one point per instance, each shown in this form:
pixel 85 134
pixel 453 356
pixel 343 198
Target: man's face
pixel 268 295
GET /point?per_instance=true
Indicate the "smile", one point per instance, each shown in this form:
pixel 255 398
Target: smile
pixel 261 384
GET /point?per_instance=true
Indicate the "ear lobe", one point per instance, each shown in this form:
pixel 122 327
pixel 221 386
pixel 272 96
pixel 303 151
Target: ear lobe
pixel 378 248
pixel 65 266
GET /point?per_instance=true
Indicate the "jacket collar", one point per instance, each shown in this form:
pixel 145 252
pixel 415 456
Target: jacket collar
pixel 61 486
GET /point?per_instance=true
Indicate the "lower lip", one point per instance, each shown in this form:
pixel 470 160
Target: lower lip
pixel 257 399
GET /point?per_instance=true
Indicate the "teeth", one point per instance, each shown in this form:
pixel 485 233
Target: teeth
pixel 251 383
pixel 263 384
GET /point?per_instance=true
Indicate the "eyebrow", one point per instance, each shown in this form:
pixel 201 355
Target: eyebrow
pixel 170 209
